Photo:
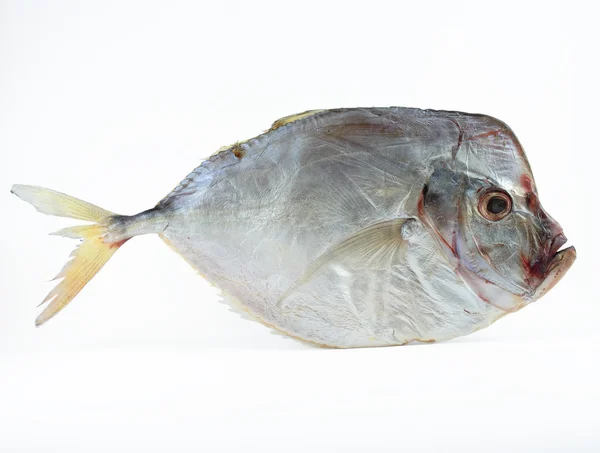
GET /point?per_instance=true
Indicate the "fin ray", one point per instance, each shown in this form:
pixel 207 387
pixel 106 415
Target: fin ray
pixel 59 204
pixel 88 258
pixel 377 246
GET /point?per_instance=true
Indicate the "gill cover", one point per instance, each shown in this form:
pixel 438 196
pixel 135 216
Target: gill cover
pixel 485 254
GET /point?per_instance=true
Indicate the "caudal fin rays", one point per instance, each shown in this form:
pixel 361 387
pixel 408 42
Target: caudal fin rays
pixel 88 258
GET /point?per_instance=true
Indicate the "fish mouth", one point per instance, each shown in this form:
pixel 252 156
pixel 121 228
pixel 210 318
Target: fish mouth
pixel 557 242
pixel 556 267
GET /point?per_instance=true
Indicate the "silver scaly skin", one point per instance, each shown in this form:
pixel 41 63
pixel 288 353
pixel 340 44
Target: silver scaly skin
pixel 362 227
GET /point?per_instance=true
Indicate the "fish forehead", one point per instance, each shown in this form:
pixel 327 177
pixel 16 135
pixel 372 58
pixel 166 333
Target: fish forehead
pixel 489 149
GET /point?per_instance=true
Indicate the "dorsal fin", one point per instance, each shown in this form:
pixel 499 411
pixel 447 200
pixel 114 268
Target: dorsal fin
pixel 291 118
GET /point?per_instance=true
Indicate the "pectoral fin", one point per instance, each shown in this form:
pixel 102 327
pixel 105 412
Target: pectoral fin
pixel 376 247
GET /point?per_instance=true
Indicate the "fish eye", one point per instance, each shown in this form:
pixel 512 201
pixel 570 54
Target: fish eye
pixel 494 205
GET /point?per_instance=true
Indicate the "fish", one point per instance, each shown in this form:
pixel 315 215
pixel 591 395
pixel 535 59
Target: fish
pixel 345 228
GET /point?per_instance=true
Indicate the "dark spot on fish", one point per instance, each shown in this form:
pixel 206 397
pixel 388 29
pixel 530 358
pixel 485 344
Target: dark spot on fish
pixel 238 152
pixel 467 311
pixel 429 198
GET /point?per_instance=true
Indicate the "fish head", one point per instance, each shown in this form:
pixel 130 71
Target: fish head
pixel 505 246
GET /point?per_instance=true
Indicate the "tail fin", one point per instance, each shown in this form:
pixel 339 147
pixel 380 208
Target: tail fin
pixel 88 258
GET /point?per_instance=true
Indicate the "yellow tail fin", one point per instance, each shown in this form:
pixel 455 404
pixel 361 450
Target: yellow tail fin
pixel 88 258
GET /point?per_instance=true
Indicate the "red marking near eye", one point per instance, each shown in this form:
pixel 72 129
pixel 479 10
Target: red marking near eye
pixel 532 202
pixel 526 183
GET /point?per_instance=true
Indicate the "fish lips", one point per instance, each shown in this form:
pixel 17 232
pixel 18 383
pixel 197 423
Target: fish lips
pixel 560 262
pixel 547 272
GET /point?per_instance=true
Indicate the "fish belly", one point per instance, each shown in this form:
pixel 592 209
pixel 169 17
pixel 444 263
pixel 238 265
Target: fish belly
pixel 344 304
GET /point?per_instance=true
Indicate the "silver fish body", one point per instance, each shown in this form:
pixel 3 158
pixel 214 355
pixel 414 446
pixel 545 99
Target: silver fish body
pixel 365 227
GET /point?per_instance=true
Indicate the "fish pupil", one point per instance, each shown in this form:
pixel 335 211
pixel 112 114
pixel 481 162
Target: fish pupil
pixel 496 205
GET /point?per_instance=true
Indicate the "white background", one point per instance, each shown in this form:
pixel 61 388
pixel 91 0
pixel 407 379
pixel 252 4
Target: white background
pixel 115 102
